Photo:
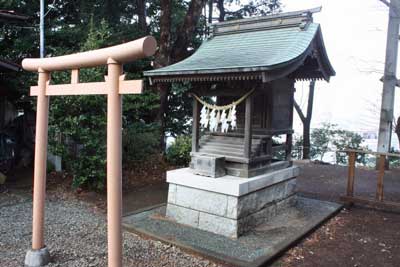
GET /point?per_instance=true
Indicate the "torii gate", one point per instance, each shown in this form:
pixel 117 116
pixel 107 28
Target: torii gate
pixel 113 87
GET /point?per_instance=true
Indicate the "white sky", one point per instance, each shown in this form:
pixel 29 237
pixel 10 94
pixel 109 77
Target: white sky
pixel 355 38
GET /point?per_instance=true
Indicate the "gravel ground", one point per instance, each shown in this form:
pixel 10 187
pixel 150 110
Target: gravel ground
pixel 76 236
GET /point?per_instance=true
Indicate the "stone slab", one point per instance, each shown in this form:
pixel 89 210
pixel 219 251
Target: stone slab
pixel 253 249
pixel 37 258
pixel 229 206
pixel 230 185
pixel 225 226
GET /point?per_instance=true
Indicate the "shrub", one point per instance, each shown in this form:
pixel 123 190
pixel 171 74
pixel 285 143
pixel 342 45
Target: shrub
pixel 140 141
pixel 178 153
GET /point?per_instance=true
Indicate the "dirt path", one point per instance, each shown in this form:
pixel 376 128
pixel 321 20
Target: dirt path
pixel 355 237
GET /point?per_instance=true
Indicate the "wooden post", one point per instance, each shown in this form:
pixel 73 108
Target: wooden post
pixel 248 127
pixel 195 126
pixel 389 80
pixel 289 137
pixel 114 165
pixel 352 167
pixel 288 147
pixel 39 177
pixel 381 173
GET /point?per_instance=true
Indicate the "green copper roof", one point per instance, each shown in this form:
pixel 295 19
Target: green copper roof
pixel 240 49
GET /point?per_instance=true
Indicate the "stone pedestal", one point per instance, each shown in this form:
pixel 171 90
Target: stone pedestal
pixel 229 205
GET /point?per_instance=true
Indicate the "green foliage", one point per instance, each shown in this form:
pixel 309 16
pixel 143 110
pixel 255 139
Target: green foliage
pixel 347 140
pixel 178 153
pixel 180 110
pixel 320 140
pixel 140 141
pixel 297 148
pixel 77 124
pixel 329 137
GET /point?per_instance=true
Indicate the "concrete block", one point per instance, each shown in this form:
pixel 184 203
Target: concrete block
pixel 172 193
pixel 230 185
pixel 232 207
pixel 262 181
pixel 219 225
pixel 201 200
pixel 207 165
pixel 258 200
pixel 37 258
pixel 183 215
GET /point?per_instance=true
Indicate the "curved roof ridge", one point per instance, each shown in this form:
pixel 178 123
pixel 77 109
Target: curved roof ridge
pixel 266 50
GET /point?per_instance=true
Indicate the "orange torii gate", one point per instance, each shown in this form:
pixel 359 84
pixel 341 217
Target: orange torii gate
pixel 113 87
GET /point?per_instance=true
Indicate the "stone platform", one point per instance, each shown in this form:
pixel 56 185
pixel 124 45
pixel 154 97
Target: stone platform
pixel 229 205
pixel 254 248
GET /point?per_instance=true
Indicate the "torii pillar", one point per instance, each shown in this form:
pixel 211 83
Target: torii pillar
pixel 113 87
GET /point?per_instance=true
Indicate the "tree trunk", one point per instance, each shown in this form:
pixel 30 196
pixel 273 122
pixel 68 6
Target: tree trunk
pixel 170 52
pixel 397 130
pixel 306 120
pixel 141 13
pixel 187 30
pixel 162 58
pixel 210 11
pixel 221 8
pixel 307 123
pixel 306 140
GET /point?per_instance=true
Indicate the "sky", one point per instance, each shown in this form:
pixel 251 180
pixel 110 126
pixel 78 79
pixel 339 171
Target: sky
pixel 355 38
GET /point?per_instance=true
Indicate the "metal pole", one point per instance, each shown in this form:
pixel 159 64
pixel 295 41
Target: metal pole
pixel 41 28
pixel 390 79
pixel 114 165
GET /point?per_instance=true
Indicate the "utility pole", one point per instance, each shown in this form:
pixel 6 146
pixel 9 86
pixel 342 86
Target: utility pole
pixel 389 79
pixel 41 28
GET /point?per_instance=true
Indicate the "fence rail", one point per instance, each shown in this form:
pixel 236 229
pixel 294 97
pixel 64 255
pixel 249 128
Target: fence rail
pixel 378 202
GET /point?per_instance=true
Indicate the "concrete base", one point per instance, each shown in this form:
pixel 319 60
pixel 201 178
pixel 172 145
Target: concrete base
pixel 229 206
pixel 37 258
pixel 254 248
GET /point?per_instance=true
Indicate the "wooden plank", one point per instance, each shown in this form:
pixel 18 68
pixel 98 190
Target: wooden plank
pixel 374 204
pixel 75 76
pixel 131 87
pixel 381 173
pixel 351 174
pixel 370 152
pixel 248 127
pixel 94 88
pixel 288 147
pixel 195 126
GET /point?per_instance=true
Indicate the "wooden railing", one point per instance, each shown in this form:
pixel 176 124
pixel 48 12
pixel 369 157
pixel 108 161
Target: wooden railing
pixel 378 202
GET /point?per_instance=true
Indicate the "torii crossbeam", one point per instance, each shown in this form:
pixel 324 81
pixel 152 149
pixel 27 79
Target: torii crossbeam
pixel 113 87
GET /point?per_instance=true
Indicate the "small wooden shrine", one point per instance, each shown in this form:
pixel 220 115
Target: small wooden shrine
pixel 250 66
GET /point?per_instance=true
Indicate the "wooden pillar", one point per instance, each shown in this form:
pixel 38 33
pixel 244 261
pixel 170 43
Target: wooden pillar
pixel 289 136
pixel 39 176
pixel 248 127
pixel 288 147
pixel 381 173
pixel 195 126
pixel 351 174
pixel 114 165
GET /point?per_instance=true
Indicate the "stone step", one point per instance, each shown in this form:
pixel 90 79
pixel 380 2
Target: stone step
pixel 228 146
pixel 240 159
pixel 209 146
pixel 258 170
pixel 221 152
pixel 233 141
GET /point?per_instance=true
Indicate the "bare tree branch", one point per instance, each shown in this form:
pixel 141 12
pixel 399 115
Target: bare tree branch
pixel 299 111
pixel 385 2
